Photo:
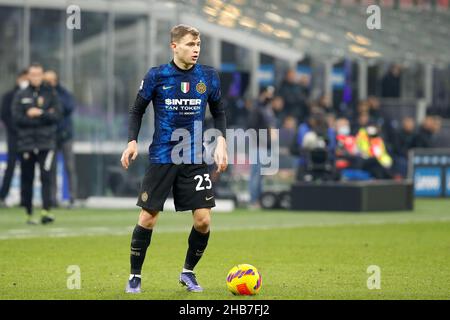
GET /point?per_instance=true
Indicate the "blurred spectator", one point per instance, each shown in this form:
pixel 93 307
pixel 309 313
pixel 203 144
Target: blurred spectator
pixel 362 121
pixel 363 107
pixel 277 105
pixel 316 143
pixel 262 117
pixel 325 104
pixel 346 148
pixel 11 133
pixel 372 149
pixel 304 82
pixel 406 139
pixel 64 137
pixel 374 110
pixel 390 84
pixel 265 95
pixel 36 112
pixel 430 126
pixel 288 131
pixel 293 95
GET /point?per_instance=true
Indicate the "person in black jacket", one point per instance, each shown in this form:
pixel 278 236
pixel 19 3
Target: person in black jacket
pixel 263 116
pixel 390 83
pixel 64 136
pixel 425 136
pixel 293 95
pixel 405 139
pixel 11 133
pixel 36 111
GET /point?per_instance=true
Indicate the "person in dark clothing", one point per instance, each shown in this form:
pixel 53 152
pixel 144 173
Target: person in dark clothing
pixel 262 117
pixel 316 145
pixel 390 84
pixel 11 133
pixel 375 111
pixel 294 97
pixel 36 112
pixel 430 125
pixel 64 137
pixel 405 139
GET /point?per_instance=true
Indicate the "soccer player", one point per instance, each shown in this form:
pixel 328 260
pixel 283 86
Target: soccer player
pixel 180 91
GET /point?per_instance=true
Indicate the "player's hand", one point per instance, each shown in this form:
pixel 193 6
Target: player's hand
pixel 130 153
pixel 221 155
pixel 34 112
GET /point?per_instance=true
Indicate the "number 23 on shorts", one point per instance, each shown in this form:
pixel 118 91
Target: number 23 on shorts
pixel 199 178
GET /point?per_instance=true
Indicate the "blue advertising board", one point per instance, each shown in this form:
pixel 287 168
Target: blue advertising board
pixel 428 181
pixel 430 169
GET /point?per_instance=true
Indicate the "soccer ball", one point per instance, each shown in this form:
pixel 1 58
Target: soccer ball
pixel 244 279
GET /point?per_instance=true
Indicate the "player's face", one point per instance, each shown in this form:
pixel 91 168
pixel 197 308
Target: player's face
pixel 187 50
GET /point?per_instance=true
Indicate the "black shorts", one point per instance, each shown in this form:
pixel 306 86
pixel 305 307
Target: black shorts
pixel 190 183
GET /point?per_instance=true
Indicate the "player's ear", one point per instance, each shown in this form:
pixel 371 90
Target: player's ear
pixel 173 45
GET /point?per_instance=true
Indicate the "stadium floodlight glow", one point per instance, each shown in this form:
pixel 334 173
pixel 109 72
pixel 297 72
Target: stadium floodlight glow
pixel 357 49
pixel 226 21
pixel 274 17
pixel 308 33
pixel 266 28
pixel 361 40
pixel 292 23
pixel 350 36
pixel 284 34
pixel 372 54
pixel 210 11
pixel 215 3
pixel 248 22
pixel 231 11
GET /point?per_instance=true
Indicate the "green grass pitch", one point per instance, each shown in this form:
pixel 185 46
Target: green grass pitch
pixel 307 255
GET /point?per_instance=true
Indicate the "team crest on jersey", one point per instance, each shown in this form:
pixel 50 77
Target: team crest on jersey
pixel 185 87
pixel 200 87
pixel 144 196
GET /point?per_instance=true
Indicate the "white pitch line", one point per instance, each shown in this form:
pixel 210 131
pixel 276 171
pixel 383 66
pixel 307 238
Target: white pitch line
pixel 96 231
pixel 19 231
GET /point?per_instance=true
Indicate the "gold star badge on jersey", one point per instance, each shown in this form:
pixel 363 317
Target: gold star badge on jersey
pixel 200 87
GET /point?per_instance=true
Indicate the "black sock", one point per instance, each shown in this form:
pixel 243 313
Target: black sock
pixel 139 244
pixel 197 245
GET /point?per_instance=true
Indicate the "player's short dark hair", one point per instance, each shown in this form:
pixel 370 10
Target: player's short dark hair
pixel 181 30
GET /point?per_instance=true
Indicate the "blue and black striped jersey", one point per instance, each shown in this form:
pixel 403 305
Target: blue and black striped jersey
pixel 179 100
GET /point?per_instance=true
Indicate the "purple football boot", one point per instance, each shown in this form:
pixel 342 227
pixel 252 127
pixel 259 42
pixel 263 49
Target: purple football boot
pixel 188 279
pixel 134 285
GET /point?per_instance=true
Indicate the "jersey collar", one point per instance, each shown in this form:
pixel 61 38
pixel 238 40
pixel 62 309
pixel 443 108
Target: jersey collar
pixel 181 70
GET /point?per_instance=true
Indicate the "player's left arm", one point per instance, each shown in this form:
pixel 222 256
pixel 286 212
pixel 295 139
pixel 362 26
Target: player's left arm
pixel 217 109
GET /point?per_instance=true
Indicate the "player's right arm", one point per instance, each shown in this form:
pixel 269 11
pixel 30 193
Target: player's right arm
pixel 135 114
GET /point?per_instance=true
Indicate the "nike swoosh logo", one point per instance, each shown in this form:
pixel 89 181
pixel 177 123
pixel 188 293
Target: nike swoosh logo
pixel 207 199
pixel 167 87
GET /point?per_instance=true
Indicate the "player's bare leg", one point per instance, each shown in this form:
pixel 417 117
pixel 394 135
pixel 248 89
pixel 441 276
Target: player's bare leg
pixel 198 240
pixel 140 241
